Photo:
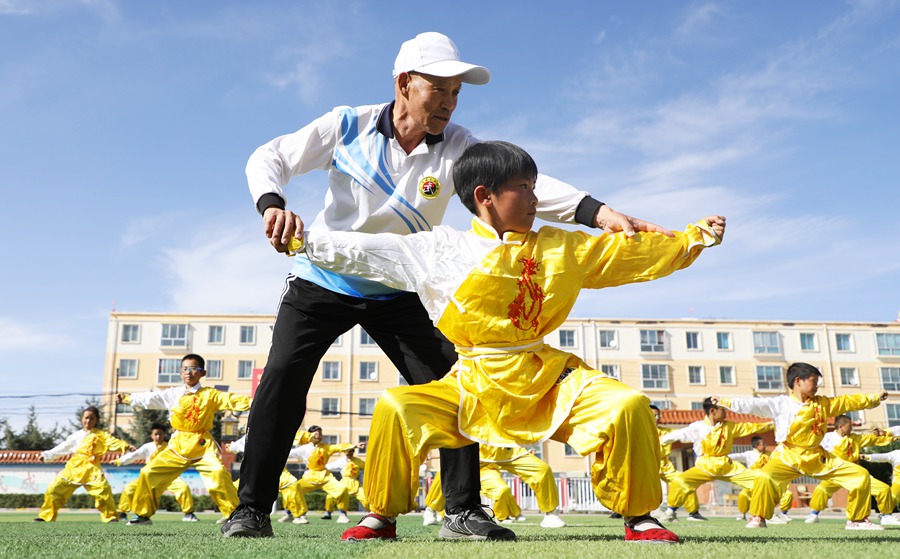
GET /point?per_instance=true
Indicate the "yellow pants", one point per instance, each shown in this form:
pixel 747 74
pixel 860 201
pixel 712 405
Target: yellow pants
pixel 156 476
pixel 669 474
pixel 850 476
pixel 94 482
pixel 324 480
pixel 608 418
pixel 181 490
pixel 537 474
pixel 709 469
pixel 353 488
pixel 492 486
pixel 784 504
pixel 880 490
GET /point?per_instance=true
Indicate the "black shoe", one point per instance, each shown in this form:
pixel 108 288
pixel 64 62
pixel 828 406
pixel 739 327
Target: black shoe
pixel 473 524
pixel 615 515
pixel 38 519
pixel 697 517
pixel 123 516
pixel 247 522
pixel 326 516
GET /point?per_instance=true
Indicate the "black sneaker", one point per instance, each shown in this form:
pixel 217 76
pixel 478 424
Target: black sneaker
pixel 326 516
pixel 247 522
pixel 697 517
pixel 615 515
pixel 473 524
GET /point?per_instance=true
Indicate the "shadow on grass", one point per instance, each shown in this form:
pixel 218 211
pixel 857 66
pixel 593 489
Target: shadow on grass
pixel 762 538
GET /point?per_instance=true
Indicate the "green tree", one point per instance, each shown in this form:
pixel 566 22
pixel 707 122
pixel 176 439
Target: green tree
pixel 32 437
pixel 103 423
pixel 141 422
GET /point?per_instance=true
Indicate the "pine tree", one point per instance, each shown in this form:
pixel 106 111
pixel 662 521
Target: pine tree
pixel 31 437
pixel 141 422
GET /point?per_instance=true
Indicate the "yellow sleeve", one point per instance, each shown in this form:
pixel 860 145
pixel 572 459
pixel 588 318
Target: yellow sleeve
pixel 335 448
pixel 302 437
pixel 232 402
pixel 744 429
pixel 872 439
pixel 113 443
pixel 839 405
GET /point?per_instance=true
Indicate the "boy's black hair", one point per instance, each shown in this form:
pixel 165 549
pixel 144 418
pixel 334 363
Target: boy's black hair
pixel 314 428
pixel 489 164
pixel 195 357
pixel 708 406
pixel 654 407
pixel 159 426
pixel 93 409
pixel 755 441
pixel 842 420
pixel 801 371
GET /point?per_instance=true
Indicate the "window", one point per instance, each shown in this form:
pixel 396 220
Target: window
pixel 848 376
pixel 692 340
pixel 696 405
pixel 214 369
pixel 174 335
pixel 169 371
pixel 570 452
pixel 217 335
pixel 726 375
pixel 338 341
pixel 766 343
pixel 331 370
pixel 807 341
pixel 723 341
pixel 330 439
pixel 362 439
pixel 890 378
pixel 888 344
pixel 245 369
pixel 567 338
pixel 608 339
pixel 128 368
pixel 331 407
pixel 655 377
pixel 653 341
pixel 893 414
pixel 855 416
pixel 769 377
pixel 365 338
pixel 131 333
pixel 695 374
pixel 248 335
pixel 661 404
pixel 368 370
pixel 843 342
pixel 367 406
pixel 400 380
pixel 611 370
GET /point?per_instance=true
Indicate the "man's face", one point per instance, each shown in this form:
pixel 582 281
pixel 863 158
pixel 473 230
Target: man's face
pixel 515 206
pixel 191 372
pixel 158 436
pixel 431 100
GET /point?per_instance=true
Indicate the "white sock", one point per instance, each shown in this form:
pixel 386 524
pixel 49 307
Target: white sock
pixel 644 525
pixel 375 522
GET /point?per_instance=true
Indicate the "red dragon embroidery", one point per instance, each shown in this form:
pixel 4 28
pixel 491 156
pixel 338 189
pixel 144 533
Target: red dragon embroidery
pixel 525 309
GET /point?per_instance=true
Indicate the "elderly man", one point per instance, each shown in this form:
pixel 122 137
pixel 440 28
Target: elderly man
pixel 389 170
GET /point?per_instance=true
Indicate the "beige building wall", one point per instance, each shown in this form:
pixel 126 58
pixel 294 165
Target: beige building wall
pixel 677 363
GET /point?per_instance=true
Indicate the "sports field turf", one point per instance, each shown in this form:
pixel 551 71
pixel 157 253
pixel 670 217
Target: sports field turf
pixel 594 536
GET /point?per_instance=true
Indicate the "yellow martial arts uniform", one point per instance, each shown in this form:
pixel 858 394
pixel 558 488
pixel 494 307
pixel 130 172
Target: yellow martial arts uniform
pixel 82 470
pixel 533 471
pixel 669 474
pixel 893 458
pixel 350 480
pixel 755 460
pixel 799 429
pixel 317 476
pixel 847 448
pixel 496 299
pixel 712 444
pixel 191 412
pixel 178 487
pixel 492 486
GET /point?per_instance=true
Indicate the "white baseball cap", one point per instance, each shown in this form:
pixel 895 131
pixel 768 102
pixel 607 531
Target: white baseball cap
pixel 436 55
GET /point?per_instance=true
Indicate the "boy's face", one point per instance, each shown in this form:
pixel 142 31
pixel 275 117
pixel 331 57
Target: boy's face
pixel 316 437
pixel 158 436
pixel 513 206
pixel 760 446
pixel 845 429
pixel 717 415
pixel 89 420
pixel 657 415
pixel 191 372
pixel 807 387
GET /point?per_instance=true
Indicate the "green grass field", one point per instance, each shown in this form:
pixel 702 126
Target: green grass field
pixel 595 536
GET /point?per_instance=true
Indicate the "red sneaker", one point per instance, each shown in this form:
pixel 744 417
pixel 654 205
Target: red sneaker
pixel 653 535
pixel 360 532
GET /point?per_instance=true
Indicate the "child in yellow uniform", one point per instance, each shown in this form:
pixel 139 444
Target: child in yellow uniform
pixel 350 467
pixel 755 459
pixel 147 453
pixel 87 447
pixel 845 444
pixel 192 409
pixel 892 458
pixel 317 475
pixel 801 419
pixel 713 439
pixel 667 471
pixel 496 292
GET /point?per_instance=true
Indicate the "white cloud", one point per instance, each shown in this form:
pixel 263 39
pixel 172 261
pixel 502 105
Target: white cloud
pixel 698 17
pixel 16 335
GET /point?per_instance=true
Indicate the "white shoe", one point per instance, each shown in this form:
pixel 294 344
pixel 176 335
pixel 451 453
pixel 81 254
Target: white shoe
pixel 343 518
pixel 429 517
pixel 288 517
pixel 783 515
pixel 862 525
pixel 190 517
pixel 509 520
pixel 670 516
pixel 742 517
pixel 776 520
pixel 301 520
pixel 756 522
pixel 222 520
pixel 811 518
pixel 521 518
pixel 889 520
pixel 552 520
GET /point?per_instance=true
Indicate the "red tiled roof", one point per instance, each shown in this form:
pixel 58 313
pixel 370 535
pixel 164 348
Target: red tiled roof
pixel 684 417
pixel 34 457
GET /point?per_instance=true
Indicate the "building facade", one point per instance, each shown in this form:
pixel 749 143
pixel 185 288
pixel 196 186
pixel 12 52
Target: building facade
pixel 677 363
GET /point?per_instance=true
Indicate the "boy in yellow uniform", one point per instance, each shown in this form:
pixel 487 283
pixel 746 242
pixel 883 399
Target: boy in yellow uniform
pixel 350 467
pixel 845 444
pixel 147 453
pixel 495 292
pixel 87 447
pixel 192 409
pixel 755 459
pixel 317 475
pixel 667 471
pixel 713 439
pixel 801 420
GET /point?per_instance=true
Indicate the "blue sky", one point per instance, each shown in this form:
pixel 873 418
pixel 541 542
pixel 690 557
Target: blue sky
pixel 125 128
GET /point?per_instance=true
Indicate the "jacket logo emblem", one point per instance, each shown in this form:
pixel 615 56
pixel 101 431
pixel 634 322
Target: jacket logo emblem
pixel 429 187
